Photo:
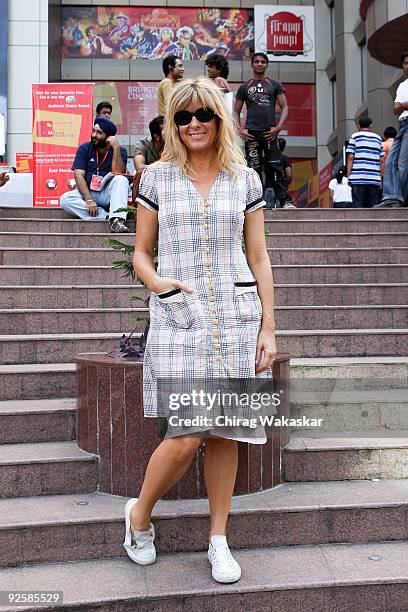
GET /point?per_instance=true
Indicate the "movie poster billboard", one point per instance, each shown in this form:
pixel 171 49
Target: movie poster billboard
pixel 62 120
pixel 130 32
pixel 3 74
pixel 285 33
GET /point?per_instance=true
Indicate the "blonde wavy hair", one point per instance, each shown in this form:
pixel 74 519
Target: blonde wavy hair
pixel 201 91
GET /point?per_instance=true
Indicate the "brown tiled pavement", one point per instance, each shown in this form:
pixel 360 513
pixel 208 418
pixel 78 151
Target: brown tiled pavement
pixel 333 537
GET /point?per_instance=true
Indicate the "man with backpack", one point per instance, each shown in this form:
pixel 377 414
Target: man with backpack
pixel 260 95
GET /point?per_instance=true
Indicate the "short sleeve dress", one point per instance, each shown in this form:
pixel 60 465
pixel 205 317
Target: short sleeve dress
pixel 212 332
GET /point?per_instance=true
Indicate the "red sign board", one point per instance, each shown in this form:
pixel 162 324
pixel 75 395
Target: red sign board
pixel 284 34
pixel 62 120
pixel 24 162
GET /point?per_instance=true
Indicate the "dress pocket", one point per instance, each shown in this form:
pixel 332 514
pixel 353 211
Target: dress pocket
pixel 247 300
pixel 179 311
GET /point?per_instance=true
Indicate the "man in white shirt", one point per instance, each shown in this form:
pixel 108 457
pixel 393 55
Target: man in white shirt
pixel 395 187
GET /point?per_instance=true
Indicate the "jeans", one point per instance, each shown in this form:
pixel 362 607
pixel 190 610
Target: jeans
pixel 114 196
pixel 364 196
pixel 260 151
pixel 396 167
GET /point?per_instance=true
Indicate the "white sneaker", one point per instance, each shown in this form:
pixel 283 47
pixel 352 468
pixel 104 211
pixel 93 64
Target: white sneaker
pixel 224 566
pixel 288 205
pixel 143 550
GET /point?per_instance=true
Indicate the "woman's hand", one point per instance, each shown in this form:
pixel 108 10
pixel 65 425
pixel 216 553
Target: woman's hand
pixel 162 284
pixel 266 346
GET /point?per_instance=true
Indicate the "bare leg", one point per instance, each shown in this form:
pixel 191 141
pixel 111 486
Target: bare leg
pixel 220 470
pixel 167 465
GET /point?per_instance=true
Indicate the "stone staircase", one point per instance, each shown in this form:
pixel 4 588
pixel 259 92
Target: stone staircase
pixel 334 536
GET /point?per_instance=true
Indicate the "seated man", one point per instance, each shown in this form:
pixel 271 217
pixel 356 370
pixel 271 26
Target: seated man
pixel 91 200
pixel 149 150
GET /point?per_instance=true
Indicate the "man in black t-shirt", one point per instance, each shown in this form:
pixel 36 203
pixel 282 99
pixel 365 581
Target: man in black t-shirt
pixel 95 195
pixel 260 95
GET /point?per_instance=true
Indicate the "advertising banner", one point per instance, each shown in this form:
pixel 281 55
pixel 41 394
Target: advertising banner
pixel 285 33
pixel 130 32
pixel 62 120
pixel 325 176
pixel 313 190
pixel 24 162
pixel 3 74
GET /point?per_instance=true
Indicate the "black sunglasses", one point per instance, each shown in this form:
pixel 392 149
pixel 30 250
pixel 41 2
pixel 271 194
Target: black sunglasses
pixel 203 115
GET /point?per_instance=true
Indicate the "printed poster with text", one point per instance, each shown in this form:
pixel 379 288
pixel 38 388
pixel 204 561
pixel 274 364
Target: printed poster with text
pixel 285 33
pixel 62 120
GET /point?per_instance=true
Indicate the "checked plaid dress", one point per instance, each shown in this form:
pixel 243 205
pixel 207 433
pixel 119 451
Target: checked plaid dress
pixel 212 332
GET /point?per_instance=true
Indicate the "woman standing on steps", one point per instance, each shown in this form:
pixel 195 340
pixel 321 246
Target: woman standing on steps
pixel 211 307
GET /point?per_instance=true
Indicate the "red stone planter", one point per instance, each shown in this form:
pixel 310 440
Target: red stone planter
pixel 110 423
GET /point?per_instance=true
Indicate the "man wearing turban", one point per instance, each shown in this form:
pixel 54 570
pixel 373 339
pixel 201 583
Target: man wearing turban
pixel 99 190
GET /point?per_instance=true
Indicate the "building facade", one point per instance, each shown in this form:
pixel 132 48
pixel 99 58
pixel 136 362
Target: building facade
pixel 354 72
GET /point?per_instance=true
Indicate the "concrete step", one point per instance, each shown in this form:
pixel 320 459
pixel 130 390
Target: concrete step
pixel 281 225
pixel 275 214
pixel 46 420
pixel 69 226
pixel 340 241
pixel 66 296
pixel 341 317
pixel 322 577
pixel 333 256
pixel 362 410
pixel 16 212
pixel 345 273
pixel 331 374
pixel 362 455
pixel 58 380
pixel 58 240
pixel 328 214
pixel 58 257
pixel 94 320
pixel 343 342
pixel 46 468
pixel 60 348
pixel 62 275
pixel 54 348
pixel 37 381
pixel 294 273
pixel 74 320
pixel 305 240
pixel 24 256
pixel 91 525
pixel 323 226
pixel 119 296
pixel 340 294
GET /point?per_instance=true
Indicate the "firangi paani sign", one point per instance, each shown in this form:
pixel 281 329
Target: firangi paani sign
pixel 285 33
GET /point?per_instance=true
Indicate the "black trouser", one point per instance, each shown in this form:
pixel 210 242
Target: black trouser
pixel 263 155
pixel 364 196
